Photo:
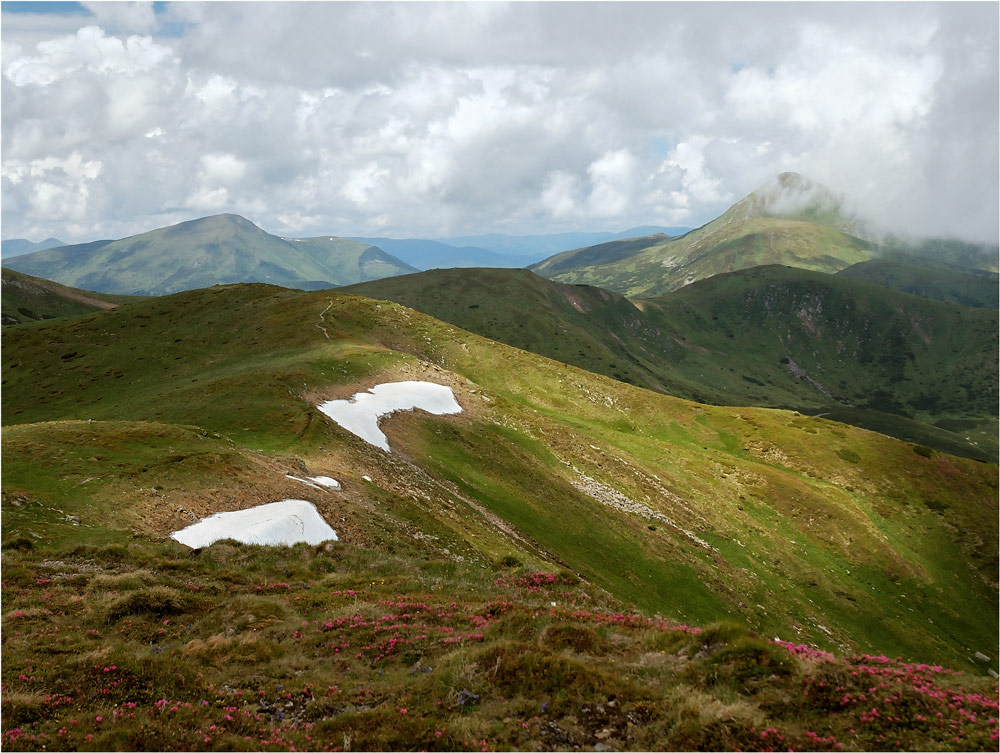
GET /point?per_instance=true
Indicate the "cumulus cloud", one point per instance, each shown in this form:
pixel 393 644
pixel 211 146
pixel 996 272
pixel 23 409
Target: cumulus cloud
pixel 431 119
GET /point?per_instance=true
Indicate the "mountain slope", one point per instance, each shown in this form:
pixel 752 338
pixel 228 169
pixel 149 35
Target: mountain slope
pixel 966 287
pixel 205 400
pixel 541 246
pixel 26 298
pixel 770 336
pixel 213 250
pixel 790 221
pixel 425 254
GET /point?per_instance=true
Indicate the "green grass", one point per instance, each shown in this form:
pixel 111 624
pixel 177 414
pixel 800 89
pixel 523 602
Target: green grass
pixel 27 299
pixel 769 336
pixel 916 276
pixel 204 401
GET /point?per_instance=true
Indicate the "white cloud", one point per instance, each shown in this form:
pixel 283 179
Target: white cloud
pixel 612 180
pixel 561 194
pixel 89 49
pixel 425 119
pixel 123 16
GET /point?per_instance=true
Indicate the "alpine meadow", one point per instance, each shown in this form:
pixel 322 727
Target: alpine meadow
pixel 487 376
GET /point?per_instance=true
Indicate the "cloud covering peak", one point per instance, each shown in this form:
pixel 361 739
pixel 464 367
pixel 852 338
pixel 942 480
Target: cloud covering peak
pixel 417 119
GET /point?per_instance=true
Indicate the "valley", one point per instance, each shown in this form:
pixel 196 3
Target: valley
pixel 769 336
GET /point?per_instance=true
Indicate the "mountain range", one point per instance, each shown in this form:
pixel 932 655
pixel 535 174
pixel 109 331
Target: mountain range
pixel 19 246
pixel 213 250
pixel 791 221
pixel 774 336
pixel 693 511
pixel 632 535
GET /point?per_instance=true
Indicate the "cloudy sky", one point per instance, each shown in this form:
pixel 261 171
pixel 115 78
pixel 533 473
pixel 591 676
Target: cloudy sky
pixel 430 120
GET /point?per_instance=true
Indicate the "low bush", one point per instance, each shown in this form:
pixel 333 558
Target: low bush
pixel 578 638
pixel 155 601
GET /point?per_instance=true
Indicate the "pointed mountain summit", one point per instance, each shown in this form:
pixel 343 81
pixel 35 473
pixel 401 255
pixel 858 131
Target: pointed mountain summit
pixel 790 220
pixel 790 196
pixel 220 249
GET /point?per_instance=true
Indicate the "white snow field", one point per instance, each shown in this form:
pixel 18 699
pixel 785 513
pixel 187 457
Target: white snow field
pixel 361 413
pixel 283 523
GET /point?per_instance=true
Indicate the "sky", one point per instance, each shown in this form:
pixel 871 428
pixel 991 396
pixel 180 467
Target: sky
pixel 432 120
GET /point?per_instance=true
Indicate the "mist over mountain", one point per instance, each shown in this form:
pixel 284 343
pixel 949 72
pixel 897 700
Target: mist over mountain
pixel 789 220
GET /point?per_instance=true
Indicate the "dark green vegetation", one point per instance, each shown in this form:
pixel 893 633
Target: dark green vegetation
pixel 30 299
pixel 224 248
pixel 966 287
pixel 770 336
pixel 124 425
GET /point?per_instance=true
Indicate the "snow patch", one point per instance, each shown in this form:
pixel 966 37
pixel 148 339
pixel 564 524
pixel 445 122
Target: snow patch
pixel 361 413
pixel 316 482
pixel 330 483
pixel 283 523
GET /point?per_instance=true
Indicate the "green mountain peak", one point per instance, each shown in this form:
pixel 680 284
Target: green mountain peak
pixel 220 249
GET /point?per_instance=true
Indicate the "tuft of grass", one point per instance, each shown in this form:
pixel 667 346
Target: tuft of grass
pixel 580 639
pixel 153 601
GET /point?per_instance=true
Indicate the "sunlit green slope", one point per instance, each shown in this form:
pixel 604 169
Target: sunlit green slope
pixel 770 336
pixel 204 401
pixel 790 221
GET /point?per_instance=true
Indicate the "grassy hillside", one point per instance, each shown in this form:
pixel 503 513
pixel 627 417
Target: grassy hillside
pixel 124 425
pixel 221 249
pixel 790 221
pixel 966 287
pixel 334 647
pixel 770 336
pixel 546 452
pixel 27 299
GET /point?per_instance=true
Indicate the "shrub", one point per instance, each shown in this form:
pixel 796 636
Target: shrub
pixel 849 455
pixel 122 582
pixel 924 452
pixel 155 601
pixel 747 661
pixel 520 669
pixel 21 543
pixel 578 638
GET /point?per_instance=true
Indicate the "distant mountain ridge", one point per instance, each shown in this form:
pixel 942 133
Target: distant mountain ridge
pixel 214 250
pixel 790 220
pixel 500 251
pixel 546 245
pixel 774 336
pixel 19 246
pixel 427 254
